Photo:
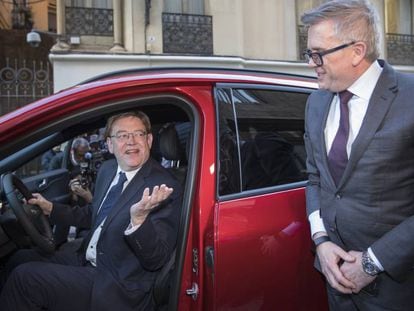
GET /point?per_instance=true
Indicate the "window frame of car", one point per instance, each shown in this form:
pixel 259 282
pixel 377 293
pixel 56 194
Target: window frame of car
pixel 258 191
pixel 27 150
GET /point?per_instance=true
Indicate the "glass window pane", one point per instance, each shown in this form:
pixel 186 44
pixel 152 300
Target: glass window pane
pixel 270 127
pixel 229 165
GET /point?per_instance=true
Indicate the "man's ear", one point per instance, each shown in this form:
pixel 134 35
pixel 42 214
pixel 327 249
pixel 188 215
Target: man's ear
pixel 150 139
pixel 109 144
pixel 359 52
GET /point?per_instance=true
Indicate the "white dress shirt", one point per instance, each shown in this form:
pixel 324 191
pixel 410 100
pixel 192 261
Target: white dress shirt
pixel 358 105
pixel 91 250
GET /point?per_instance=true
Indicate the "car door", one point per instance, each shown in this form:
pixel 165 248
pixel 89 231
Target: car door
pixel 50 181
pixel 52 185
pixel 263 252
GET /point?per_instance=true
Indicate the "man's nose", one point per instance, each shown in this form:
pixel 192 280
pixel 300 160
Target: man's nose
pixel 132 138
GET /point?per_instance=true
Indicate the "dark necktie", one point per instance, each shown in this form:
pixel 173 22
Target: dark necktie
pixel 337 157
pixel 113 195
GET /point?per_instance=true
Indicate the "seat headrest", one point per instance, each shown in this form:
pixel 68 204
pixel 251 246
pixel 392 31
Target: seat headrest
pixel 169 143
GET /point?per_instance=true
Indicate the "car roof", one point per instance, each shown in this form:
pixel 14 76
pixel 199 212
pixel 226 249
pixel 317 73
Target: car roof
pixel 204 73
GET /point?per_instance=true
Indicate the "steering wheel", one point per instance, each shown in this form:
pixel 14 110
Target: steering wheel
pixel 31 217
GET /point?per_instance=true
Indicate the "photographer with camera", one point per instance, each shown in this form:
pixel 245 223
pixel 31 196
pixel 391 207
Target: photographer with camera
pixel 93 160
pixel 81 180
pixel 88 164
pixel 80 146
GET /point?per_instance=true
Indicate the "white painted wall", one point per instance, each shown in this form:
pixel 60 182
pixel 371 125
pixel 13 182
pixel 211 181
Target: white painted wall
pixel 80 67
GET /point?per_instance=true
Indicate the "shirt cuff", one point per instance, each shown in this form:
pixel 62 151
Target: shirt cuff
pixel 316 223
pixel 131 229
pixel 375 259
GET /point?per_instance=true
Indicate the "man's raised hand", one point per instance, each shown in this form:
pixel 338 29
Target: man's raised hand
pixel 140 210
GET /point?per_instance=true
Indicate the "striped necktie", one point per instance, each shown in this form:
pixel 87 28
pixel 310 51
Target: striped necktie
pixel 112 196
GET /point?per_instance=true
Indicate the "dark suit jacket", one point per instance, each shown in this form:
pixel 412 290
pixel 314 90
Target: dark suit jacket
pixel 373 204
pixel 128 265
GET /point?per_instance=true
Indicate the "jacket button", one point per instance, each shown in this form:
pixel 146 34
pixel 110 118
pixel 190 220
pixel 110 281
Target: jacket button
pixel 338 196
pixel 332 229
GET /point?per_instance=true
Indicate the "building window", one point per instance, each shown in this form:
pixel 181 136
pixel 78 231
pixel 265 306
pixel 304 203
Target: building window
pixel 90 17
pixel 187 33
pixel 97 4
pixel 184 6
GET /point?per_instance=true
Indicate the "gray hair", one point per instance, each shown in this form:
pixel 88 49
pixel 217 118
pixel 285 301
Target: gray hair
pixel 80 142
pixel 355 20
pixel 135 114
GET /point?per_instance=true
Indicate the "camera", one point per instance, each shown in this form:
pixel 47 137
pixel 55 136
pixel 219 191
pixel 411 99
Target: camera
pixel 85 175
pixel 89 168
pixel 33 38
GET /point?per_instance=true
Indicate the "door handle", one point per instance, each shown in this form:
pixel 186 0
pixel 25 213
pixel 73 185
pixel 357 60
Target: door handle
pixel 42 185
pixel 193 291
pixel 209 253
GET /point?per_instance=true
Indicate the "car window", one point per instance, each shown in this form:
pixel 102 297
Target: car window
pixel 260 136
pixel 81 156
pixel 39 164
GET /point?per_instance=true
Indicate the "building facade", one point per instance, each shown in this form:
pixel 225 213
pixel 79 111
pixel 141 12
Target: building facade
pixel 25 14
pixel 97 36
pixel 25 72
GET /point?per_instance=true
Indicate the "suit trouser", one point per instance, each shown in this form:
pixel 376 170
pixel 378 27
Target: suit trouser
pixel 339 302
pixel 364 301
pixel 48 283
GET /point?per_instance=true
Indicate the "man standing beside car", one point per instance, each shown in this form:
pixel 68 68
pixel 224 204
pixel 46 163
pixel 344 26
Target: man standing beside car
pixel 359 139
pixel 117 264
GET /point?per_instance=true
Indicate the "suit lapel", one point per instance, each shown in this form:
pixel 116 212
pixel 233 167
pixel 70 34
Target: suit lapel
pixel 103 189
pixel 379 104
pixel 326 100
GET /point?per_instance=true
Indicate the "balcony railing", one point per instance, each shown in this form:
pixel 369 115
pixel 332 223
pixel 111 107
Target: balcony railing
pixel 89 21
pixel 187 34
pixel 400 49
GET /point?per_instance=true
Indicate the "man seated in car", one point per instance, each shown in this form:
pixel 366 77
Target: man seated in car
pixel 132 235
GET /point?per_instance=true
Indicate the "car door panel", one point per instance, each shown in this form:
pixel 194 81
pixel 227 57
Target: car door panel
pixel 53 185
pixel 263 249
pixel 263 254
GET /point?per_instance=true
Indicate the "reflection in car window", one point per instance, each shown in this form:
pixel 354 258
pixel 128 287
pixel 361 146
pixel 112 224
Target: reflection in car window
pixel 260 138
pixel 39 164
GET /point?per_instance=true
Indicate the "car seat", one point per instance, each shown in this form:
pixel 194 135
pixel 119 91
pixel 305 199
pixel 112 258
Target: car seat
pixel 172 151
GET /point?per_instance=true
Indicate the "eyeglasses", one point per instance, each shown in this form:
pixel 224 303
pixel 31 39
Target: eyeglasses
pixel 317 56
pixel 124 136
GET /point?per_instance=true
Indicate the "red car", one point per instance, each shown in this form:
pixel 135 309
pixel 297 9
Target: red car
pixel 235 140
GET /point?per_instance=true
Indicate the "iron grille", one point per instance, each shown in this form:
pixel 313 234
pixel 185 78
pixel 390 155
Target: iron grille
pixel 89 21
pixel 187 33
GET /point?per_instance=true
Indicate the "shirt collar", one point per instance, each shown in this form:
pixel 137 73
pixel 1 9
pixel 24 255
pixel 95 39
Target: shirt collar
pixel 364 86
pixel 130 174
